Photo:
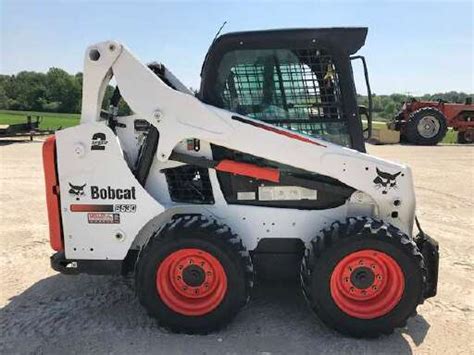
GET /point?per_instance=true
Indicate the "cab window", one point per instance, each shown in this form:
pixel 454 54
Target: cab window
pixel 294 89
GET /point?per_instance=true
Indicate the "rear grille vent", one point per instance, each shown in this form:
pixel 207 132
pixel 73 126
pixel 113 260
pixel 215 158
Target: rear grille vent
pixel 189 184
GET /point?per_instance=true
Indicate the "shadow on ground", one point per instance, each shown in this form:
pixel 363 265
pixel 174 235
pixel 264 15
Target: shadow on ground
pixel 97 314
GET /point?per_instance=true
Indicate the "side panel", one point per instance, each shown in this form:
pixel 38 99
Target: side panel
pixel 103 205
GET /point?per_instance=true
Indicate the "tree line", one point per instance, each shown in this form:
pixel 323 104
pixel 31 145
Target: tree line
pixel 58 91
pixel 53 91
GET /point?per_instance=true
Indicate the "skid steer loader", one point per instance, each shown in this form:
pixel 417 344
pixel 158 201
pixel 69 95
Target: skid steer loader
pixel 262 173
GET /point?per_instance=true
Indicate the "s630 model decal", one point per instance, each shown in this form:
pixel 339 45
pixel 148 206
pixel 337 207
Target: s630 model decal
pixel 123 208
pixel 386 181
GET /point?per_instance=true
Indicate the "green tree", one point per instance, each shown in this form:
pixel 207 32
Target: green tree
pixel 63 89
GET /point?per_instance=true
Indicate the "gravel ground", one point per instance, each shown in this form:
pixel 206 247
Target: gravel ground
pixel 44 312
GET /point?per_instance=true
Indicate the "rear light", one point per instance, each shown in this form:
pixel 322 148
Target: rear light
pixel 52 194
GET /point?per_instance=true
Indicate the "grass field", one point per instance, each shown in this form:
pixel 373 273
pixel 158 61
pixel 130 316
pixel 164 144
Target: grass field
pixel 49 120
pixel 52 121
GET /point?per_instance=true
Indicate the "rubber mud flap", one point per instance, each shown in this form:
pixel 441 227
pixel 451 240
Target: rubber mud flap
pixel 430 250
pixel 60 264
pixel 92 267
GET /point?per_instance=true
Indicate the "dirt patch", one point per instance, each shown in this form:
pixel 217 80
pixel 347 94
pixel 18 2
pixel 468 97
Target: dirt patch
pixel 45 312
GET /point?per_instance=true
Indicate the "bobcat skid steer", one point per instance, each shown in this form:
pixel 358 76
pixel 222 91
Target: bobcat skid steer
pixel 262 173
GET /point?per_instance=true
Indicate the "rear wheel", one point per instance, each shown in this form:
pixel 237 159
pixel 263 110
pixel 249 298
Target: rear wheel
pixel 426 126
pixel 194 275
pixel 466 137
pixel 363 277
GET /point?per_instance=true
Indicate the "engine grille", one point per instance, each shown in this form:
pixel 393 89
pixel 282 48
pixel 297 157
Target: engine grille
pixel 189 184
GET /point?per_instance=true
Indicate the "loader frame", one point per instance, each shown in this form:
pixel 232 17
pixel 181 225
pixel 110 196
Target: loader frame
pixel 381 188
pixel 190 197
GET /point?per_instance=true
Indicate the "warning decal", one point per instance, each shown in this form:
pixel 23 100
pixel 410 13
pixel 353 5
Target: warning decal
pixel 103 218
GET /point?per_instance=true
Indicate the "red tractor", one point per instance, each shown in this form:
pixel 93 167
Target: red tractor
pixel 426 122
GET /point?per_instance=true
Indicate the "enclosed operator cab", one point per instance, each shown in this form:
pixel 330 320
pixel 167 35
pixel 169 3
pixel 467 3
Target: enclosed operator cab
pixel 299 79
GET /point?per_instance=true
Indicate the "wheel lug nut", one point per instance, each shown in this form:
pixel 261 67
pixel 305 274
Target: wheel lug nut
pixel 352 289
pixel 346 279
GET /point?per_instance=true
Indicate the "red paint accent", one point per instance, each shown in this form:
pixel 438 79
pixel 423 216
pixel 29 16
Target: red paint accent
pixel 183 298
pixel 287 134
pixel 52 194
pixel 245 169
pixel 376 300
pixel 454 113
pixel 91 208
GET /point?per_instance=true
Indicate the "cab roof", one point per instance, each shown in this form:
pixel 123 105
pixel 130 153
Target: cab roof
pixel 339 41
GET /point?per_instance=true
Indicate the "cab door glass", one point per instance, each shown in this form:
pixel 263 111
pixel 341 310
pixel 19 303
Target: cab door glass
pixel 294 89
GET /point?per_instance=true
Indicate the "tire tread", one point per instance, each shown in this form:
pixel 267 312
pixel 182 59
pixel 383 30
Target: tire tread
pixel 345 229
pixel 211 227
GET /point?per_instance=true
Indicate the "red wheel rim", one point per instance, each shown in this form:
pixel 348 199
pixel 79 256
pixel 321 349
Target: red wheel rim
pixel 191 282
pixel 367 284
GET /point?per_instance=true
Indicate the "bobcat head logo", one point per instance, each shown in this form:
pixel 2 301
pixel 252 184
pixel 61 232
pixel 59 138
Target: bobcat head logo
pixel 385 181
pixel 77 190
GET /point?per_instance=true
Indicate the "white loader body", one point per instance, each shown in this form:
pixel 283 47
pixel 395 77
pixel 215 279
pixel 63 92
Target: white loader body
pixel 106 212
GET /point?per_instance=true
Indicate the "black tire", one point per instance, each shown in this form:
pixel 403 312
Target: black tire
pixel 465 137
pixel 344 238
pixel 195 232
pixel 434 117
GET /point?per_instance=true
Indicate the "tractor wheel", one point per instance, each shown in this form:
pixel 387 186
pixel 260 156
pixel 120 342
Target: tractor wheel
pixel 194 275
pixel 426 126
pixel 362 277
pixel 466 137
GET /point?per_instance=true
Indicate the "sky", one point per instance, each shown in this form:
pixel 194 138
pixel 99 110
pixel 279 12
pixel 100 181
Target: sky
pixel 412 47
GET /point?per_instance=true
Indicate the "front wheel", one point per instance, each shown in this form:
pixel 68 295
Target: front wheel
pixel 194 275
pixel 362 277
